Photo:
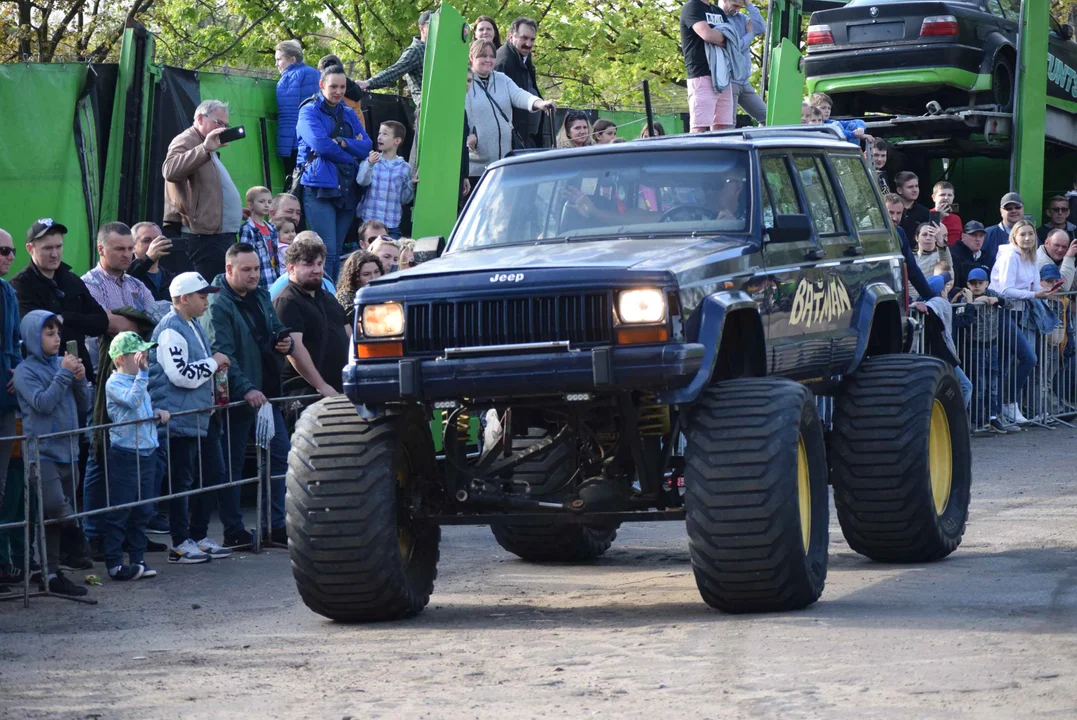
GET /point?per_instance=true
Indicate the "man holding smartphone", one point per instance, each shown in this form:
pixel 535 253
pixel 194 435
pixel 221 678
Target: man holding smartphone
pixel 242 324
pixel 943 213
pixel 200 195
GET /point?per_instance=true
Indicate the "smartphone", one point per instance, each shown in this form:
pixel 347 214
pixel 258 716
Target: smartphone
pixel 72 348
pixel 1058 286
pixel 232 134
pixel 934 216
pixel 285 333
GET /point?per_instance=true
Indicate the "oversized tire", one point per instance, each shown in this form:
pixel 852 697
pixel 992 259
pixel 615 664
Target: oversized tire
pixel 548 541
pixel 356 553
pixel 756 496
pixel 901 461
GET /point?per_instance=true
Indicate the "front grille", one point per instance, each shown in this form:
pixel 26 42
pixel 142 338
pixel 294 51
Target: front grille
pixel 584 319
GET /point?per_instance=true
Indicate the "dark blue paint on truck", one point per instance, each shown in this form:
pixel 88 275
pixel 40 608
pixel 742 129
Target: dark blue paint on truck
pixel 781 260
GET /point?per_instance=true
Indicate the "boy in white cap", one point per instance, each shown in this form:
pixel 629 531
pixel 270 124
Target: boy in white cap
pixel 181 378
pixel 132 461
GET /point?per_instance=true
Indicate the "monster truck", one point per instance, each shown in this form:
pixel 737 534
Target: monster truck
pixel 645 331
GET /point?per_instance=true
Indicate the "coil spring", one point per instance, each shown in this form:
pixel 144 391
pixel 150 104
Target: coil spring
pixel 653 419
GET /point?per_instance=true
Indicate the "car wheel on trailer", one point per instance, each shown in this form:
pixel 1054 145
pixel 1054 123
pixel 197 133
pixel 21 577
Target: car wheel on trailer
pixel 1002 83
pixel 356 552
pixel 901 459
pixel 756 496
pixel 548 541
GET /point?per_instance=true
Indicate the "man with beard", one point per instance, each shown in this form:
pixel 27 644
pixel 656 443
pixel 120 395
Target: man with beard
pixel 320 331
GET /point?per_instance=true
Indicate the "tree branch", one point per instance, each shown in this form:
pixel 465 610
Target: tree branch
pixel 239 38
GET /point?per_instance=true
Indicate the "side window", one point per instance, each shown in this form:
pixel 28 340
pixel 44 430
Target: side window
pixel 779 193
pixel 822 204
pixel 1012 8
pixel 859 192
pixel 995 9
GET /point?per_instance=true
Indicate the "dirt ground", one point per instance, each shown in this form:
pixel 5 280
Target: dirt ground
pixel 988 633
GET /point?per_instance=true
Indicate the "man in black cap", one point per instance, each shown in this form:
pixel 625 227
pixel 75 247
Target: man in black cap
pixel 968 253
pixel 47 283
pixel 1012 209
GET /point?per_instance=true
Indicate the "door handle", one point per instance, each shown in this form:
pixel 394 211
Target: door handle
pixel 854 250
pixel 816 254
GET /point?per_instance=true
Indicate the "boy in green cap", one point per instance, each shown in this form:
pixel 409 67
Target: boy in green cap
pixel 132 456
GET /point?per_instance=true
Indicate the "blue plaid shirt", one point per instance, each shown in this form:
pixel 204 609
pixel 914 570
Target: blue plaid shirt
pixel 266 247
pixel 389 188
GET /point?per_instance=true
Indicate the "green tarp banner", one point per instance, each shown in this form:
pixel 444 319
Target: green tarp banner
pixel 40 173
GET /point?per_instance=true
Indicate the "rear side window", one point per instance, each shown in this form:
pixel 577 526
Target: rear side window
pixel 859 193
pixel 822 202
pixel 780 194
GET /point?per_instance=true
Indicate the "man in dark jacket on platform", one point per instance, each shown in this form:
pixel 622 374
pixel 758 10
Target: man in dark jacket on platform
pixel 514 58
pixel 242 324
pixel 47 283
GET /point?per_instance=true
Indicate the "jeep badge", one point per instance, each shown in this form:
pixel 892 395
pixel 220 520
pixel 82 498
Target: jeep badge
pixel 511 277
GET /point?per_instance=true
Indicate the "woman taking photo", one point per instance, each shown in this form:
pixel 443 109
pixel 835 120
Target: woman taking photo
pixel 576 131
pixel 332 143
pixel 486 29
pixel 488 105
pixel 1016 278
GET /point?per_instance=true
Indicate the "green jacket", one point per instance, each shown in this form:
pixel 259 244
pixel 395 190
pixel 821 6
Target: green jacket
pixel 230 334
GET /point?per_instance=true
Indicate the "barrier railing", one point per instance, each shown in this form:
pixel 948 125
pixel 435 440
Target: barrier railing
pixel 216 419
pixel 18 442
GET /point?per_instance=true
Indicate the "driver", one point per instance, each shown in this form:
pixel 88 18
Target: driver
pixel 724 193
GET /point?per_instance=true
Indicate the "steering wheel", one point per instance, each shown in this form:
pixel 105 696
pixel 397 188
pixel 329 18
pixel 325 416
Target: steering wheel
pixel 688 211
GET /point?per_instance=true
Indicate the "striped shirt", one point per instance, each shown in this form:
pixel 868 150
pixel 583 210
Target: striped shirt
pixel 266 247
pixel 113 293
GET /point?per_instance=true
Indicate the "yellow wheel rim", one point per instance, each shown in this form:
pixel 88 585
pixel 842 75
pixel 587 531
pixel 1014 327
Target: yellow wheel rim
pixel 804 492
pixel 940 457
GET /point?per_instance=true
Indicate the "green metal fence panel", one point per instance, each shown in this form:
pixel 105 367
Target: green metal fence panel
pixel 40 173
pixel 250 100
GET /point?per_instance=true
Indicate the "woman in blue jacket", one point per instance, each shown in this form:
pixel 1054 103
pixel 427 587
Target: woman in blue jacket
pixel 332 143
pixel 297 83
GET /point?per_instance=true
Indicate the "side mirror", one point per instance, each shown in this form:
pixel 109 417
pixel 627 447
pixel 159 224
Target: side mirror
pixel 429 248
pixel 1067 32
pixel 790 228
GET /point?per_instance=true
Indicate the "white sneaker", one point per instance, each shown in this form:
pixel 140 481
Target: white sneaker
pixel 212 549
pixel 187 553
pixel 1013 414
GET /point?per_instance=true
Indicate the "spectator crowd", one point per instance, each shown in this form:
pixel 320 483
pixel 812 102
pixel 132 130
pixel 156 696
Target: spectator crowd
pixel 248 297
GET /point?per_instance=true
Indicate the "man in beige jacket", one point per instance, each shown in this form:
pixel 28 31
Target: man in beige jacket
pixel 200 196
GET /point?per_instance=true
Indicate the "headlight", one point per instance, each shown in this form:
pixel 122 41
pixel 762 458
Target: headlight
pixel 385 320
pixel 645 305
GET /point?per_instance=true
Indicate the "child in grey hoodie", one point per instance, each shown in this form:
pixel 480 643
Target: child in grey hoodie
pixel 53 395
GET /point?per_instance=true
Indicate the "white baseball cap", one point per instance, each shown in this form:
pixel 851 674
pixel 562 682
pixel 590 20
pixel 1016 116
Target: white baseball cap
pixel 190 282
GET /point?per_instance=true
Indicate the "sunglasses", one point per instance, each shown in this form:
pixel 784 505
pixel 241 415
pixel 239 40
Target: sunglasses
pixel 576 115
pixel 1054 209
pixel 7 251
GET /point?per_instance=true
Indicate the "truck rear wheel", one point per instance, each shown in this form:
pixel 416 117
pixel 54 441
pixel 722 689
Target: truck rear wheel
pixel 901 459
pixel 357 555
pixel 756 496
pixel 549 541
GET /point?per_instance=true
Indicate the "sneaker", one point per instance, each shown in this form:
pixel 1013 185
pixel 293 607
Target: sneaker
pixel 212 549
pixel 996 426
pixel 158 525
pixel 75 562
pixel 1012 414
pixel 123 573
pixel 147 571
pixel 187 553
pixel 11 575
pixel 242 539
pixel 60 585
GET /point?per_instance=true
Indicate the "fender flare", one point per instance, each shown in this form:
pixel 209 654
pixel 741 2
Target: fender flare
pixel 712 312
pixel 993 45
pixel 873 297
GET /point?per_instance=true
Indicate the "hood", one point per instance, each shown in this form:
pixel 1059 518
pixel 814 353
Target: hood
pixel 626 253
pixel 30 327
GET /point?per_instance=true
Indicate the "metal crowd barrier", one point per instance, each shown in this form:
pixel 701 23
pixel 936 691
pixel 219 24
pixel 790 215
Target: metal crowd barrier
pixel 19 443
pixel 989 342
pixel 34 515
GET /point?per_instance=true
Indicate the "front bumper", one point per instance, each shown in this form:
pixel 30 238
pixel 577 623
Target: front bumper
pixel 492 377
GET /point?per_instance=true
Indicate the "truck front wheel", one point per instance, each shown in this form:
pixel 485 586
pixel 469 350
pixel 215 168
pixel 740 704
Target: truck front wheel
pixel 356 552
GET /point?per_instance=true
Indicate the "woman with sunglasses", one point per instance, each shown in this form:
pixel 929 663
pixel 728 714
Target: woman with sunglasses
pixel 489 102
pixel 576 130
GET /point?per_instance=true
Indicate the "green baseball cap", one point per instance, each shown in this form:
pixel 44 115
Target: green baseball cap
pixel 128 342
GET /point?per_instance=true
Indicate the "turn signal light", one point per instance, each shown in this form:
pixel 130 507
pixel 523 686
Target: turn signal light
pixel 820 35
pixel 939 26
pixel 635 336
pixel 366 351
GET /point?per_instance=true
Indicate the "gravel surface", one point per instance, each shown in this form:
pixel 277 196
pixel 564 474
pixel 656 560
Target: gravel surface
pixel 987 633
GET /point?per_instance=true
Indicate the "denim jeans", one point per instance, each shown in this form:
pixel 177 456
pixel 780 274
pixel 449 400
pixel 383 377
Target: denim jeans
pixel 131 476
pixel 331 223
pixel 984 367
pixel 966 385
pixel 1014 343
pixel 234 442
pixel 184 455
pixel 94 497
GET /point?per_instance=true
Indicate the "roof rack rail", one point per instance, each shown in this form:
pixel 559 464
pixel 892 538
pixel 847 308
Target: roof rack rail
pixel 783 130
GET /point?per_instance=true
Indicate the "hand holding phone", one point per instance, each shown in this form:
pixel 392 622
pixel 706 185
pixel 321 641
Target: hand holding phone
pixel 934 216
pixel 231 134
pixel 1057 286
pixel 72 348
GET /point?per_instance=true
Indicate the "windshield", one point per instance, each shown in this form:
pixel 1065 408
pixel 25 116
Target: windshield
pixel 609 195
